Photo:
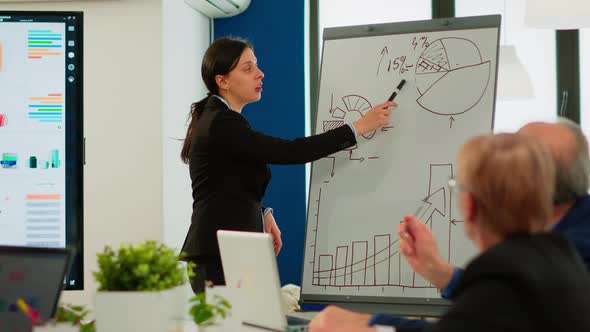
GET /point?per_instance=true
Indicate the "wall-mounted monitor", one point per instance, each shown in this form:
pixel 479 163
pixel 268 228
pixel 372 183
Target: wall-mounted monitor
pixel 41 133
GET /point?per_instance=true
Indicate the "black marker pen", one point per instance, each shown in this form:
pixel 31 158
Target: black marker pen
pixel 398 89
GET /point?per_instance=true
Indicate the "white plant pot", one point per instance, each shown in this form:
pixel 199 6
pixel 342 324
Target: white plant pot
pixel 213 328
pixel 140 311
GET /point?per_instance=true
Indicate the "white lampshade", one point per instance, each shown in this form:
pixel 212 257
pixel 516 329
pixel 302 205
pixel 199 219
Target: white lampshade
pixel 558 14
pixel 514 81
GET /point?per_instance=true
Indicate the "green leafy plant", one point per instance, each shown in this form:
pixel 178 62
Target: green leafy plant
pixel 204 313
pixel 147 266
pixel 76 315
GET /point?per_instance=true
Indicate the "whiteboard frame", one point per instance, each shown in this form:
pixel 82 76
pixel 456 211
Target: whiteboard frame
pixel 407 306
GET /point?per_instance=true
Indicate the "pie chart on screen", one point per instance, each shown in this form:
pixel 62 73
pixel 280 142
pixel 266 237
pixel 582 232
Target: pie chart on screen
pixel 451 76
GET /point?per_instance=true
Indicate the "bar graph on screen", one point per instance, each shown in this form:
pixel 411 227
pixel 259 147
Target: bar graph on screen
pixel 44 43
pixel 48 109
pixel 41 131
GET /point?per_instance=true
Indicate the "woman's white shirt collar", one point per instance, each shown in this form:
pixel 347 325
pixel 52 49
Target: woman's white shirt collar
pixel 223 100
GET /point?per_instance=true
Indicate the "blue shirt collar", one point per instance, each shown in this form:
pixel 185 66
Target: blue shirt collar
pixel 579 211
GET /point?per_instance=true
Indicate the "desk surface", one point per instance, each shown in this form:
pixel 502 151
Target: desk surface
pixel 233 326
pixel 191 327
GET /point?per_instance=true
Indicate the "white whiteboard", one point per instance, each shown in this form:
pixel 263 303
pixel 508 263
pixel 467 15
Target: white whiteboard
pixel 358 196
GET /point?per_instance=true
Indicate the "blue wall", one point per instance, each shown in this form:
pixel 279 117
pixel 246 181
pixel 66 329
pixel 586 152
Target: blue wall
pixel 276 29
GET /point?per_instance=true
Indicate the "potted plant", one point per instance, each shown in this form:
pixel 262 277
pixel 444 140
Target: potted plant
pixel 68 318
pixel 140 288
pixel 206 312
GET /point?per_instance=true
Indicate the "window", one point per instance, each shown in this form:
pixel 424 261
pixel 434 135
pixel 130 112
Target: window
pixel 536 51
pixel 585 81
pixel 353 12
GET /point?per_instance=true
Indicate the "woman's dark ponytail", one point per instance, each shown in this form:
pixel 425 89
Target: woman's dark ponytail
pixel 196 111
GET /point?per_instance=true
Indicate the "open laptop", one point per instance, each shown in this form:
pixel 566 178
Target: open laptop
pixel 249 263
pixel 35 275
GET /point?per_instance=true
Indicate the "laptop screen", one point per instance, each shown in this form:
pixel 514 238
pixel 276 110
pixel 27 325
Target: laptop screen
pixel 249 263
pixel 35 275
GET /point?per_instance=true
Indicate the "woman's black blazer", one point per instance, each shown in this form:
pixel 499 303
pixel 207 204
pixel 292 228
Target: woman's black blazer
pixel 229 171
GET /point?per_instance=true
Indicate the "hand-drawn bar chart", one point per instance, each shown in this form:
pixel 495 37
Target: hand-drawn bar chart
pixel 360 263
pixel 375 260
pixel 355 265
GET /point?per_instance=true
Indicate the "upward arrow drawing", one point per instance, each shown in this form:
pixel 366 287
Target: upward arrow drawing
pixel 384 51
pixel 433 203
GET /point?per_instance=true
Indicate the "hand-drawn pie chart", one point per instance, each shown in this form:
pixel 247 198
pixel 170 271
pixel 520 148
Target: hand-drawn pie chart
pixel 451 76
pixel 355 107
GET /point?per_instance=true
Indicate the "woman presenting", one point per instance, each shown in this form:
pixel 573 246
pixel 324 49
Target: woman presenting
pixel 228 160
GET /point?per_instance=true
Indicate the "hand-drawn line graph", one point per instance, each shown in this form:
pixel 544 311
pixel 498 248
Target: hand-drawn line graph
pixel 354 108
pixel 451 76
pixel 375 261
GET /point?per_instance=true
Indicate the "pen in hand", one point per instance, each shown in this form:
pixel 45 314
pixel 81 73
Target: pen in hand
pixel 397 90
pixel 420 210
